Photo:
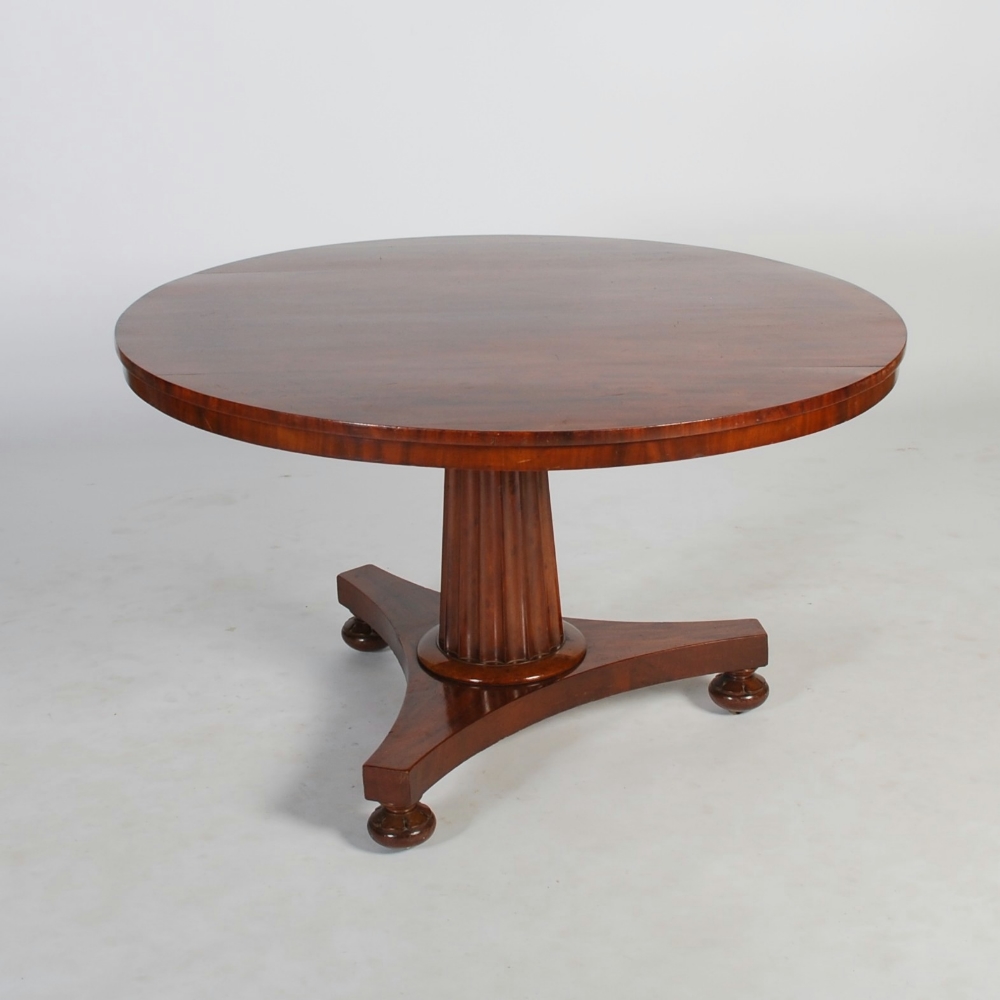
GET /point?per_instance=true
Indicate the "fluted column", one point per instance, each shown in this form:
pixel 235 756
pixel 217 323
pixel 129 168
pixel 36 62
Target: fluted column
pixel 499 585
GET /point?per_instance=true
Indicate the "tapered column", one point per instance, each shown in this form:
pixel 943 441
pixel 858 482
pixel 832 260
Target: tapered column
pixel 499 585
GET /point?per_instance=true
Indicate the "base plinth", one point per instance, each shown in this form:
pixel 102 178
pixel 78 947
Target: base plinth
pixel 443 722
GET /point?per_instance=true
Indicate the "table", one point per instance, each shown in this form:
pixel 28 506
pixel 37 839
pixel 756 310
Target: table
pixel 499 359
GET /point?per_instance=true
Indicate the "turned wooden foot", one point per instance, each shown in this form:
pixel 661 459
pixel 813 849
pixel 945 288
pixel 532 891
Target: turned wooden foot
pixel 358 634
pixel 401 827
pixel 738 690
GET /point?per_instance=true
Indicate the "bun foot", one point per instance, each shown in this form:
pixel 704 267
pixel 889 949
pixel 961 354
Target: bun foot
pixel 393 827
pixel 738 691
pixel 360 635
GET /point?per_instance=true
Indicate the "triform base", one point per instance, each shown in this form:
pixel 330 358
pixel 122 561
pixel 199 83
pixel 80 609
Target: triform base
pixel 444 722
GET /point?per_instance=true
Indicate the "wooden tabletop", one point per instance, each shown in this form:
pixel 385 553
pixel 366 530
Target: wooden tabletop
pixel 510 352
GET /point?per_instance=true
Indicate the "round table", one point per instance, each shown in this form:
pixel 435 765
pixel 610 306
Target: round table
pixel 498 359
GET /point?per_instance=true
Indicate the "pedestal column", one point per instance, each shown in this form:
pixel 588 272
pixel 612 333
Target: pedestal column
pixel 501 619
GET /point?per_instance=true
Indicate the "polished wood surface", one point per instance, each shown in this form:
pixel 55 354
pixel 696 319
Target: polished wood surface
pixel 361 636
pixel 392 827
pixel 501 616
pixel 570 651
pixel 738 691
pixel 442 723
pixel 514 352
pixel 499 583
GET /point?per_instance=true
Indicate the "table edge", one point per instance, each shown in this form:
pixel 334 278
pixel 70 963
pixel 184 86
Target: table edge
pixel 517 450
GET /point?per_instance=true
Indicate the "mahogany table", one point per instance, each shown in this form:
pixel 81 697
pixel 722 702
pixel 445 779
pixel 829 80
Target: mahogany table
pixel 498 359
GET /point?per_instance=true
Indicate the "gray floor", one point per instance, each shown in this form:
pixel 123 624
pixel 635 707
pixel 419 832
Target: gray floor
pixel 181 729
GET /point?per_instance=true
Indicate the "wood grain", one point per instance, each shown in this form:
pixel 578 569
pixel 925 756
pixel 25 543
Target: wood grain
pixel 499 583
pixel 518 353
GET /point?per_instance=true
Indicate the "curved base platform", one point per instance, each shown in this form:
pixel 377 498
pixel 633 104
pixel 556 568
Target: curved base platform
pixel 442 723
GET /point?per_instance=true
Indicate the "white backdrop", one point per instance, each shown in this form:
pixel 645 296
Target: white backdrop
pixel 180 732
pixel 145 141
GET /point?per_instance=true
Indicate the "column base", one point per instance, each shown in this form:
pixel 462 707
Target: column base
pixel 545 668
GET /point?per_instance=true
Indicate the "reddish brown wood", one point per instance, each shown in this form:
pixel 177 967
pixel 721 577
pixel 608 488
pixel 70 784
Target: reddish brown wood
pixel 501 620
pixel 520 353
pixel 499 584
pixel 560 661
pixel 361 636
pixel 441 723
pixel 401 827
pixel 738 691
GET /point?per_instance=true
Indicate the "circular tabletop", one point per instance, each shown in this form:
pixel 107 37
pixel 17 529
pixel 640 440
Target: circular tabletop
pixel 511 352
